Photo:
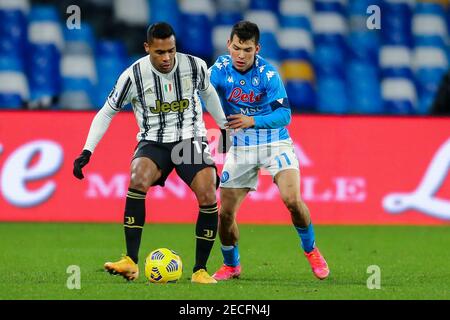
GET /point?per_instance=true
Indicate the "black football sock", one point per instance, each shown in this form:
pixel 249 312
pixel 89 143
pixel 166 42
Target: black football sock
pixel 134 220
pixel 205 231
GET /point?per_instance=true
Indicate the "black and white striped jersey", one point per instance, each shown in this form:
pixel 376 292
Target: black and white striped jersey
pixel 167 107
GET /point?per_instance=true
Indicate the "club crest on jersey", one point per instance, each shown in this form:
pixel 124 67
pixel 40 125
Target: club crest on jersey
pixel 238 95
pixel 255 81
pixel 174 106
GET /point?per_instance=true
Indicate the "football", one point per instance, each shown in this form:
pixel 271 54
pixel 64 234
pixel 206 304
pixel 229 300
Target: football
pixel 163 266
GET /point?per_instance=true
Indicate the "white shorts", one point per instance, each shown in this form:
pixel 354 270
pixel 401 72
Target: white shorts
pixel 242 163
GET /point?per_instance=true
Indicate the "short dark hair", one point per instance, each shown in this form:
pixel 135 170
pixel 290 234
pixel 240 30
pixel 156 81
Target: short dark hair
pixel 245 30
pixel 159 30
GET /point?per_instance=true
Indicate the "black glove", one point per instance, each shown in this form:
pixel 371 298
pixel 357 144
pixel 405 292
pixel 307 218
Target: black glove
pixel 224 141
pixel 80 162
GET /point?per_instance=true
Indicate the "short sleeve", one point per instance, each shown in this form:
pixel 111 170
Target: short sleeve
pixel 121 93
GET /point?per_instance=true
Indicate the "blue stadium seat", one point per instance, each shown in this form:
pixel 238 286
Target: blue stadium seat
pixel 46 44
pixel 269 46
pixel 295 22
pixel 399 96
pixel 332 95
pixel 76 94
pixel 227 18
pixel 108 48
pixel 295 44
pixel 428 79
pixel 111 61
pixel 168 11
pixel 265 19
pixel 357 70
pixel 359 7
pixel 81 40
pixel 13 32
pixel 329 60
pixel 131 13
pixel 232 5
pixel 363 88
pixel 364 46
pixel 366 103
pixel 424 7
pixel 295 54
pixel 396 62
pixel 302 95
pixel 196 36
pixel 41 12
pixel 425 103
pixel 396 17
pixel 10 101
pixel 271 5
pixel 431 63
pixel 329 6
pixel 45 27
pixel 14 91
pixel 295 14
pixel 399 107
pixel 220 36
pixel 330 28
pixel 43 71
pixel 79 66
pixel 429 41
pixel 10 63
pixel 397 72
pixel 427 82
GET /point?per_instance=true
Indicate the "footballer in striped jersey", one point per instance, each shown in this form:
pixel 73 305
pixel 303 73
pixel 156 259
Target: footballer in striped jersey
pixel 164 88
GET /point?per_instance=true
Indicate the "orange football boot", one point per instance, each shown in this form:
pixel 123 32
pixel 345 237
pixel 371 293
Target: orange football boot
pixel 126 267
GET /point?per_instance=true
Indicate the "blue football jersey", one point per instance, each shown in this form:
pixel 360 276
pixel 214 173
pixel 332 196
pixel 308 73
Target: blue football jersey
pixel 258 92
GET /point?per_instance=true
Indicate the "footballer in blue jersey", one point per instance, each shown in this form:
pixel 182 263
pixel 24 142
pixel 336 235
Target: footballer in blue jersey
pixel 255 102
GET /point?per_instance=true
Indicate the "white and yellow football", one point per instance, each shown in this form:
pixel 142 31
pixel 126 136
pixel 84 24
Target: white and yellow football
pixel 163 266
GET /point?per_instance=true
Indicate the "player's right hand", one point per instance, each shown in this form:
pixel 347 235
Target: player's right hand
pixel 80 162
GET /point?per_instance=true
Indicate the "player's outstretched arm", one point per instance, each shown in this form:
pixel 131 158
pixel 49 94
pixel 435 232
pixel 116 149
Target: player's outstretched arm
pixel 98 128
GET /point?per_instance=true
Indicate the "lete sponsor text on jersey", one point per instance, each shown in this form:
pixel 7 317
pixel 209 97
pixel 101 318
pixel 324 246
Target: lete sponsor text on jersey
pixel 238 95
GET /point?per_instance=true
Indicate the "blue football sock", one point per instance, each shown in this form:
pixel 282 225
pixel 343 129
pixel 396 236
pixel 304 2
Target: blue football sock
pixel 307 237
pixel 230 255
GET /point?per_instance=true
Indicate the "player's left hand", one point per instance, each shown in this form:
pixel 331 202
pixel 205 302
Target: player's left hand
pixel 80 162
pixel 239 121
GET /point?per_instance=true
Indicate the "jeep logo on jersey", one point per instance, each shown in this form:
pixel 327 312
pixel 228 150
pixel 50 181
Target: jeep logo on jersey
pixel 237 95
pixel 174 106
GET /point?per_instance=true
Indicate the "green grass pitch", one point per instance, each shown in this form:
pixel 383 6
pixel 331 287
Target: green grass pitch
pixel 414 263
